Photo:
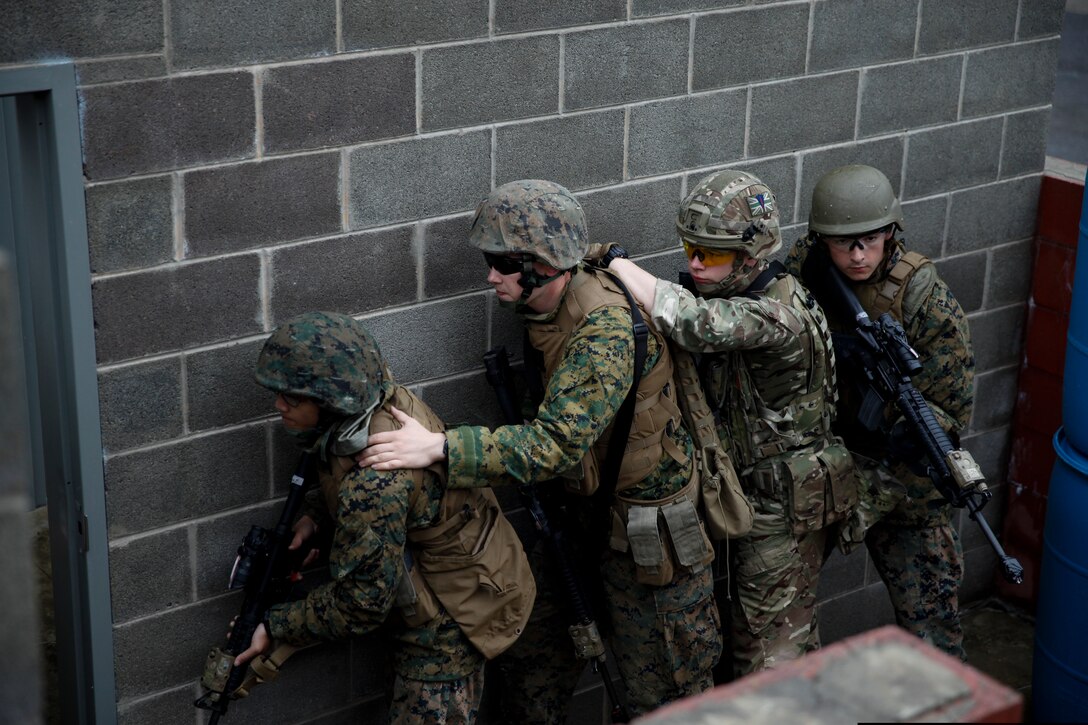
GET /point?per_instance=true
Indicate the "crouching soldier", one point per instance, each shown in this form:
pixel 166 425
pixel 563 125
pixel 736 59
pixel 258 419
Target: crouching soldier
pixel 445 564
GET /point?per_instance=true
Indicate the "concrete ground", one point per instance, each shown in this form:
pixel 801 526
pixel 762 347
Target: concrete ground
pixel 999 640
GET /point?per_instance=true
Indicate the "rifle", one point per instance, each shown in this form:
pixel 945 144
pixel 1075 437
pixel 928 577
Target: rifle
pixel 588 644
pixel 259 569
pixel 881 353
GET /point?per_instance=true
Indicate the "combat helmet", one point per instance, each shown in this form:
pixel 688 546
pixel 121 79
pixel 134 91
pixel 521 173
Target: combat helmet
pixel 325 356
pixel 853 200
pixel 731 210
pixel 538 220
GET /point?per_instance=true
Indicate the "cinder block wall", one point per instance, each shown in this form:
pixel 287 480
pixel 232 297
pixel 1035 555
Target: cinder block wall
pixel 247 161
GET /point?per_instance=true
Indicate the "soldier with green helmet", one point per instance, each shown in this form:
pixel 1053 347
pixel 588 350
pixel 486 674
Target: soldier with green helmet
pixel 404 547
pixel 643 540
pixel 902 518
pixel 768 370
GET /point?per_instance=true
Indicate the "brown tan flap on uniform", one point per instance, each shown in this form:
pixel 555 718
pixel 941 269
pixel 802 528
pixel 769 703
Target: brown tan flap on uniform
pixel 727 512
pixel 474 563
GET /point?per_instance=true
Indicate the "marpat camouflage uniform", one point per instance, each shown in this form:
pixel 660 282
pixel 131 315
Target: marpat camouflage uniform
pixel 902 518
pixel 666 638
pixel 370 513
pixel 766 365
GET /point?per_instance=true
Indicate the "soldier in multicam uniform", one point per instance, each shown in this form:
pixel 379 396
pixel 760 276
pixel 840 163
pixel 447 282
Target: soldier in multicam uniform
pixel 334 390
pixel 664 624
pixel 902 517
pixel 768 369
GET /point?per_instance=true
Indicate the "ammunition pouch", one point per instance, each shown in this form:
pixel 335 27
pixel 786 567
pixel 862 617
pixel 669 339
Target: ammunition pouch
pixel 818 486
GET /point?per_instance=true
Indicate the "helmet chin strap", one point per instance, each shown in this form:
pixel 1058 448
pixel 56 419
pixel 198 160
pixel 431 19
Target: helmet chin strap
pixel 531 279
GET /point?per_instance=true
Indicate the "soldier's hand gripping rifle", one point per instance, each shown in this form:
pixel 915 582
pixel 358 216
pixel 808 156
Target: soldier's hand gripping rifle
pixel 881 353
pixel 260 569
pixel 588 644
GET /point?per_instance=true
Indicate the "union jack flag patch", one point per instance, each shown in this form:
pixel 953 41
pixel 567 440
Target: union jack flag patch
pixel 760 204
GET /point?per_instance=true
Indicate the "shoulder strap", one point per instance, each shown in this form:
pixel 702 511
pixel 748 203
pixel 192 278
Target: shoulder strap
pixel 892 286
pixel 774 269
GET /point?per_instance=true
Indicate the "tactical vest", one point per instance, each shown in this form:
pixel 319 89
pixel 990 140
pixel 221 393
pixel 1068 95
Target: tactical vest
pixel 470 561
pixel 656 411
pixel 888 294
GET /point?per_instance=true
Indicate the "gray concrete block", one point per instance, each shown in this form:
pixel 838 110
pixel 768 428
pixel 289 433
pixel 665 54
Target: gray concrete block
pixel 1041 17
pixel 1011 273
pixel 1024 150
pixel 971 536
pixel 885 154
pixel 184 480
pixel 591 152
pixel 924 223
pixel 140 404
pixel 170 123
pixel 830 107
pixel 241 206
pixel 323 673
pixel 450 264
pixel 641 8
pixel 966 277
pixel 379 24
pixel 173 707
pixel 516 16
pixel 220 386
pixel 841 574
pixel 506 328
pixel 980 567
pixel 909 95
pixel 182 638
pixel 150 574
pixel 453 333
pixel 351 274
pixel 839 27
pixel 686 132
pixel 109 70
pixel 465 401
pixel 665 266
pixel 992 214
pixel 206 33
pixel 724 57
pixel 779 173
pixel 168 309
pixel 372 711
pixel 467 85
pixel 130 224
pixel 625 63
pixel 855 612
pixel 951 24
pixel 997 337
pixel 217 541
pixel 951 157
pixel 80 29
pixel 995 398
pixel 285 457
pixel 419 178
pixel 1003 79
pixel 314 105
pixel 641 217
pixel 991 451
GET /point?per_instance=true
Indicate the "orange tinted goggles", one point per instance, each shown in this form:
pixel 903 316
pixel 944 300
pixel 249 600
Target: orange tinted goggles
pixel 710 257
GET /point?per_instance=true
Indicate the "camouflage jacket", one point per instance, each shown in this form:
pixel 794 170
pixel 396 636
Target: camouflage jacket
pixel 936 328
pixel 371 512
pixel 582 396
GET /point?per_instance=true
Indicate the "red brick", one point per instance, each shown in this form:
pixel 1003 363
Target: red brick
pixel 1040 400
pixel 1059 210
pixel 1044 347
pixel 1052 279
pixel 1031 459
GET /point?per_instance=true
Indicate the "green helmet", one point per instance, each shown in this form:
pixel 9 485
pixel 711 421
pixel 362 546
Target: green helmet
pixel 853 200
pixel 539 219
pixel 731 210
pixel 325 356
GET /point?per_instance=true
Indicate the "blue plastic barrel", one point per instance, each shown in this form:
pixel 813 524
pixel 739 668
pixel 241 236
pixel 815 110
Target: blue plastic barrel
pixel 1059 689
pixel 1075 392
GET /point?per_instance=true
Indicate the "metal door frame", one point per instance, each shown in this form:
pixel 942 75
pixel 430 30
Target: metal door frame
pixel 78 527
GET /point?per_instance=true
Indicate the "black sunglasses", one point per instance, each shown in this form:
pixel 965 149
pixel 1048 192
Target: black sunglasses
pixel 502 263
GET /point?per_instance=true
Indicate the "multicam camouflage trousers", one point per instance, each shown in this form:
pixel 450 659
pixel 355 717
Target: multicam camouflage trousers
pixel 907 529
pixel 666 641
pixel 454 702
pixel 775 574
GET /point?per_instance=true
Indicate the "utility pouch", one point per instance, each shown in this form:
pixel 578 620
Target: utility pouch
pixel 653 565
pixel 414 597
pixel 821 486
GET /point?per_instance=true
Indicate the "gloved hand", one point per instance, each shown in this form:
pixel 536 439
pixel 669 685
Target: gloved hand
pixel 599 255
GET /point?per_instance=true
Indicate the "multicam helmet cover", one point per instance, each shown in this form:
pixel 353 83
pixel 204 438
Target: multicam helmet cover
pixel 325 356
pixel 853 200
pixel 532 217
pixel 731 210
